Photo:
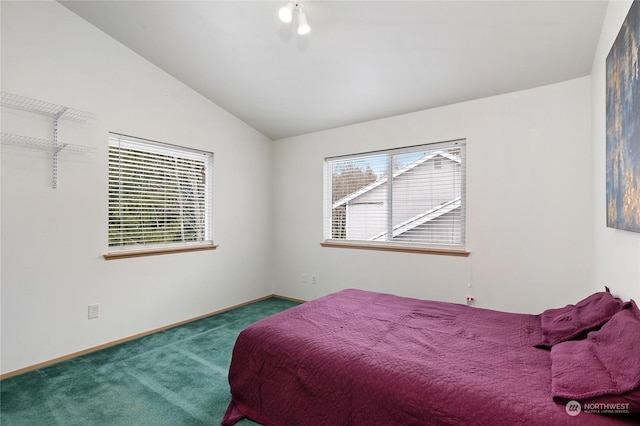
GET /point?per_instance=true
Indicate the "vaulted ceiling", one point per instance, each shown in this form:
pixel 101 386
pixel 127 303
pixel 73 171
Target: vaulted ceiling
pixel 361 61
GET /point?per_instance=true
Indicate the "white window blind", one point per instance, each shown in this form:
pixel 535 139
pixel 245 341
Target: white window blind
pixel 408 196
pixel 159 195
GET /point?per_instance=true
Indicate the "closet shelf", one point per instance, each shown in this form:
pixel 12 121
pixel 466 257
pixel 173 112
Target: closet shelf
pixel 49 145
pixel 42 107
pixel 56 112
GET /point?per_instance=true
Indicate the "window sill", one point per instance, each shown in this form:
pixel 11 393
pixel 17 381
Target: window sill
pixel 156 252
pixel 405 249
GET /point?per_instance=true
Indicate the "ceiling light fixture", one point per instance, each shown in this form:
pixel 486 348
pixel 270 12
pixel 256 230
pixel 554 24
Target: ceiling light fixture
pixel 303 25
pixel 286 15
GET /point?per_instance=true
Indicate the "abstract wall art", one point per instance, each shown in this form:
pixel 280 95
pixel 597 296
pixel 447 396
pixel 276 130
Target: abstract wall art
pixel 623 125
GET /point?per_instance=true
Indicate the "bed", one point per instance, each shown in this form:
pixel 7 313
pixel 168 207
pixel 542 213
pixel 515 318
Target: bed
pixel 363 358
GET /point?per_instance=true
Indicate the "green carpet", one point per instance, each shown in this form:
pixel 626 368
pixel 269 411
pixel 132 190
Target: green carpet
pixel 174 377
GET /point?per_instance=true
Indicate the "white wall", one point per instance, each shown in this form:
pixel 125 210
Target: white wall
pixel 53 240
pixel 617 252
pixel 529 204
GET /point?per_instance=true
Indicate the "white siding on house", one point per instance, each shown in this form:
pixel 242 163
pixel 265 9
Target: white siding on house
pixel 367 214
pixel 441 229
pixel 415 191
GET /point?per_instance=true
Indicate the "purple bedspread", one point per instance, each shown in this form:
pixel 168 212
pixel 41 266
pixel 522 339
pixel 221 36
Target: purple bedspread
pixel 362 358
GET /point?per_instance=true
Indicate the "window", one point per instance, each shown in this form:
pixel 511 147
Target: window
pixel 422 205
pixel 159 196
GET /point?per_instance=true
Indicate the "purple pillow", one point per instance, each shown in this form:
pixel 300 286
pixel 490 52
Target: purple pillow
pixel 571 321
pixel 603 368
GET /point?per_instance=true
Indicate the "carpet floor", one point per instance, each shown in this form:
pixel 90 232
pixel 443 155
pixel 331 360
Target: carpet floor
pixel 173 377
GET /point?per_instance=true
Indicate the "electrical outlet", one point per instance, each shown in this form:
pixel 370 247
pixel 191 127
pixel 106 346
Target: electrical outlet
pixel 304 278
pixel 314 280
pixel 94 310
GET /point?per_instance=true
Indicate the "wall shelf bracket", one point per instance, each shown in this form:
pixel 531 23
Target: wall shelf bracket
pixel 57 112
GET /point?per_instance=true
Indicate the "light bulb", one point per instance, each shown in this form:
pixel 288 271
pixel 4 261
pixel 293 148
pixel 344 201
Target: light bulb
pixel 303 26
pixel 286 13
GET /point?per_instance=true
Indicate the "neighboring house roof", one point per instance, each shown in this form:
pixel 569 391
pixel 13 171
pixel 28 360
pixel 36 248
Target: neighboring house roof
pixel 422 218
pixel 405 169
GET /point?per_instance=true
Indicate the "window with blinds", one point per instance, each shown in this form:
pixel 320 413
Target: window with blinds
pixel 410 196
pixel 159 195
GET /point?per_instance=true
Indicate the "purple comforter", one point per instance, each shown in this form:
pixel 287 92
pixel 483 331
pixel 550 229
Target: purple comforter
pixel 362 358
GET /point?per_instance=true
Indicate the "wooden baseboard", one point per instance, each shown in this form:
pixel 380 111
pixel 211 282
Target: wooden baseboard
pixel 290 299
pixel 135 336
